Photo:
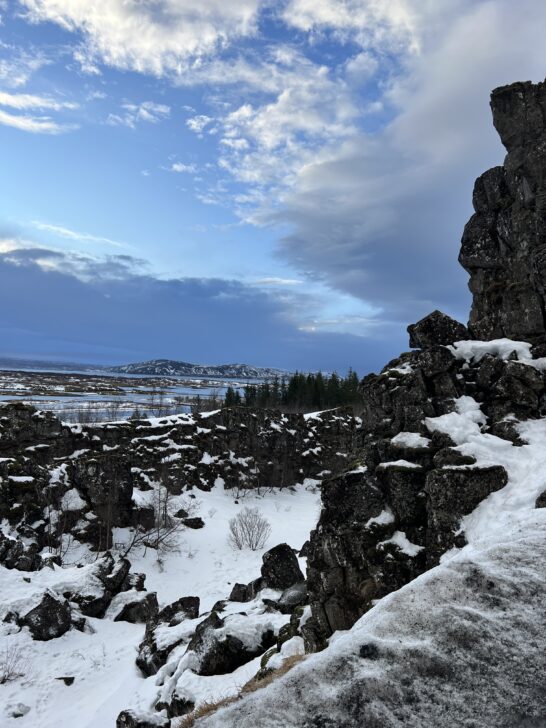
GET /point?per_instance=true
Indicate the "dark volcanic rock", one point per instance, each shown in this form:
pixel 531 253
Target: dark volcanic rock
pixel 218 652
pixel 139 611
pixel 504 243
pixel 15 555
pixel 150 656
pixel 436 328
pixel 280 569
pixel 453 493
pixel 49 619
pixel 134 719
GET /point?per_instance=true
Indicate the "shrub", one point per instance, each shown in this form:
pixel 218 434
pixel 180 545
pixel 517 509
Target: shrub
pixel 13 663
pixel 249 529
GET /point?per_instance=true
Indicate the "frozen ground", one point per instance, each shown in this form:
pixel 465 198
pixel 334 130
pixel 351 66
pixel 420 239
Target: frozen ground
pixel 103 663
pixel 462 645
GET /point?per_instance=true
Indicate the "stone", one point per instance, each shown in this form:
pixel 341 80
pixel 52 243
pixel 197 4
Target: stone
pixel 139 611
pixel 151 657
pixel 280 569
pixel 138 719
pixel 452 494
pixel 541 500
pixel 239 593
pixel 194 523
pixel 49 619
pixel 434 329
pixel 504 243
pixel 218 652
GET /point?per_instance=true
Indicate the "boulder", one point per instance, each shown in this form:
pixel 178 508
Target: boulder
pixel 48 619
pixel 280 569
pixel 139 610
pixel 436 329
pixel 138 719
pixel 151 656
pixel 218 652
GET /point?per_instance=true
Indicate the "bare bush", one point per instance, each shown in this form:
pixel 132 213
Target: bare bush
pixel 249 529
pixel 13 663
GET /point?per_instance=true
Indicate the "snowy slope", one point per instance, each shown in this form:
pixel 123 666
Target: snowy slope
pixel 103 662
pixel 462 645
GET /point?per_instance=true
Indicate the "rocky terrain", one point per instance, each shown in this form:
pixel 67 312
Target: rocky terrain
pixel 417 599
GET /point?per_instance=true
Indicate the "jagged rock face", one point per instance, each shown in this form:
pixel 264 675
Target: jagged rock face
pixel 106 467
pixel 394 515
pixel 504 242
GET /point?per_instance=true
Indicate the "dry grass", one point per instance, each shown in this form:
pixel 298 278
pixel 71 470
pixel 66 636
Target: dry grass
pixel 208 708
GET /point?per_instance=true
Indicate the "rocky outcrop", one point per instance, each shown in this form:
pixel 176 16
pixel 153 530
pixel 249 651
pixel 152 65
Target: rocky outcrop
pixel 98 476
pixel 401 508
pixel 504 243
pixel 436 328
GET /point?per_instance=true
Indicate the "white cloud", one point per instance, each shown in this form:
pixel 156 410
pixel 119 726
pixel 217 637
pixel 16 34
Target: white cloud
pixel 30 101
pixel 157 38
pixel 20 65
pixel 64 232
pixel 199 123
pixel 34 124
pixel 183 168
pixel 147 111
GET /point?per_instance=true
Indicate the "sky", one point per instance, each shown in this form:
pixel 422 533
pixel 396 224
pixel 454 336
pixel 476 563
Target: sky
pixel 277 182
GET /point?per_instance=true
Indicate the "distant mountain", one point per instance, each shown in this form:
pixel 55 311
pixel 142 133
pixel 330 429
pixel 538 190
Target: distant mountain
pixel 167 367
pixel 56 366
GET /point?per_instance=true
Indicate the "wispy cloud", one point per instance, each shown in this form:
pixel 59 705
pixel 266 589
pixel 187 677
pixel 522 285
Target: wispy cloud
pixel 67 233
pixel 30 101
pixel 34 124
pixel 278 282
pixel 132 114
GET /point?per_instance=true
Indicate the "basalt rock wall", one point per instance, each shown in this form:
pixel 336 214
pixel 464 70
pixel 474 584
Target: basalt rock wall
pixel 504 243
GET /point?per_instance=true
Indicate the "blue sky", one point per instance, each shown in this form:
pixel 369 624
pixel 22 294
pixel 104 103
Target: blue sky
pixel 283 183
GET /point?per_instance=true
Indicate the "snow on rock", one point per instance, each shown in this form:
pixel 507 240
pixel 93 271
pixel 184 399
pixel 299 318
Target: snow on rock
pixel 502 348
pixel 410 439
pixel 475 622
pixel 459 425
pixel 400 539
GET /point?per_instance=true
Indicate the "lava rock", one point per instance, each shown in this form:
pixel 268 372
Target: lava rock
pixel 452 494
pixel 280 569
pixel 434 329
pixel 139 611
pixel 135 719
pixel 49 619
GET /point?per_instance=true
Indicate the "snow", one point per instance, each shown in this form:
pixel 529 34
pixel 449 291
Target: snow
pixel 460 425
pixel 476 619
pixel 383 519
pixel 72 501
pixel 502 348
pixel 399 464
pixel 103 659
pixel 410 439
pixel 400 539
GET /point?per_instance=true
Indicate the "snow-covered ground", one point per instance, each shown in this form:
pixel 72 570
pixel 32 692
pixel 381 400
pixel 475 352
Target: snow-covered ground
pixel 103 662
pixel 463 644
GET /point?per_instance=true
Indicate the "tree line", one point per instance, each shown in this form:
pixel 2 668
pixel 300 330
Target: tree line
pixel 299 393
